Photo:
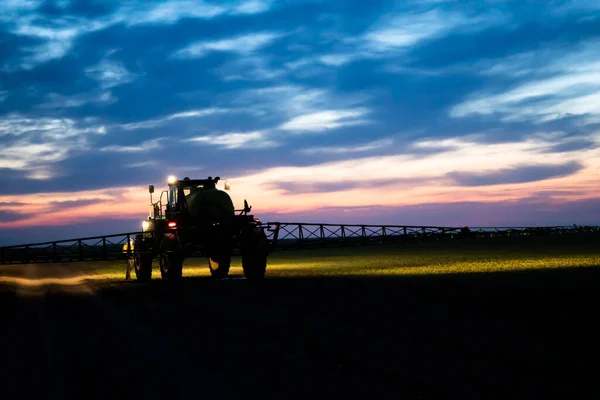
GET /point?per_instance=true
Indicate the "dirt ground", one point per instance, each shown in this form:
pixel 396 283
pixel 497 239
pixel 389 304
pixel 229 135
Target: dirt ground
pixel 505 335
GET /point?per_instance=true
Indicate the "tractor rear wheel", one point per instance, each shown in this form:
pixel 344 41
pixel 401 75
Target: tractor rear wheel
pixel 254 256
pixel 219 265
pixel 254 264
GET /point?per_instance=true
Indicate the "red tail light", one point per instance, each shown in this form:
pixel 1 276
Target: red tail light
pixel 172 224
pixel 256 220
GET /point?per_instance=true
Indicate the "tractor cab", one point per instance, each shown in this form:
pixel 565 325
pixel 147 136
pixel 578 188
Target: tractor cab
pixel 182 192
pixel 188 198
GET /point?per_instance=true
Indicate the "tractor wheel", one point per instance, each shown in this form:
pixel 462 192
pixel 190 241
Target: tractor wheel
pixel 219 265
pixel 142 265
pixel 254 256
pixel 142 260
pixel 171 259
pixel 171 266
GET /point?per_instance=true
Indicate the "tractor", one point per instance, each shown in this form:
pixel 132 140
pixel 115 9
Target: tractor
pixel 193 217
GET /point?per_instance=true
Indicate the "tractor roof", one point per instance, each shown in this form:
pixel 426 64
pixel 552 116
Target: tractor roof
pixel 187 182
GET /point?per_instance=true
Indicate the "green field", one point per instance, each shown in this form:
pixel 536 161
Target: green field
pixel 448 257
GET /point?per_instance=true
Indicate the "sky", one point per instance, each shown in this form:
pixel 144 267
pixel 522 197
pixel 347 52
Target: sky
pixel 429 112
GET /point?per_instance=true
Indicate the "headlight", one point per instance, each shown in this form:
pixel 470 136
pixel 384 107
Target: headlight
pixel 145 225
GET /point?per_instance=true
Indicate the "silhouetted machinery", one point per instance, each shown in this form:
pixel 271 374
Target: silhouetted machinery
pixel 196 217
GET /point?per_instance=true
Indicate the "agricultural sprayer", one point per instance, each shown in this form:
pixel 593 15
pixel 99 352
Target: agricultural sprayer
pixel 194 216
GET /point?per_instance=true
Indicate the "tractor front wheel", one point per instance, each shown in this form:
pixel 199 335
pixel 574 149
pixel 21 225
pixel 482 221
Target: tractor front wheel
pixel 171 259
pixel 171 266
pixel 143 267
pixel 142 260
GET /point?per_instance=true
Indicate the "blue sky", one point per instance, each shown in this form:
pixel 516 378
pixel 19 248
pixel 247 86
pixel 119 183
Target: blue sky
pixel 403 112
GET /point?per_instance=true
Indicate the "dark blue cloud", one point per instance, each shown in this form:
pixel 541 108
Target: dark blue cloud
pixel 40 234
pixel 579 144
pixel 523 174
pixel 9 216
pixel 535 211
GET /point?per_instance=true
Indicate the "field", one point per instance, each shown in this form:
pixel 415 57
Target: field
pixel 472 319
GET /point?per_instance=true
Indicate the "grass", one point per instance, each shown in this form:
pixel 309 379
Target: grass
pixel 449 332
pixel 469 256
pixel 428 258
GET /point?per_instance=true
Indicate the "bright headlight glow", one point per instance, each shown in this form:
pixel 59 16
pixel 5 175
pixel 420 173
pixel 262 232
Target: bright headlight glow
pixel 145 225
pixel 171 179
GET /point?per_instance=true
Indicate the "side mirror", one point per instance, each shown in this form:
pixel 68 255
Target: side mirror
pixel 227 186
pixel 151 189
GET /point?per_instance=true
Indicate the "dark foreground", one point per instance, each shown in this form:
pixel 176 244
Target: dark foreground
pixel 513 335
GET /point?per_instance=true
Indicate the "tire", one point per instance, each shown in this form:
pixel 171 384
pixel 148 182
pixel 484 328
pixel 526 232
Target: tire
pixel 254 256
pixel 142 259
pixel 171 267
pixel 254 265
pixel 171 260
pixel 219 265
pixel 143 267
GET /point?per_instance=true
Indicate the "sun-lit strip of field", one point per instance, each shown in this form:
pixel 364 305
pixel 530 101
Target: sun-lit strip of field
pixel 390 267
pixel 370 261
pixel 70 281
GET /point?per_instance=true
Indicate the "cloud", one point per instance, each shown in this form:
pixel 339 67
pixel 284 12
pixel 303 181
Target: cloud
pixel 33 145
pixel 558 83
pixel 141 164
pixel 272 85
pixel 168 12
pixel 110 73
pixel 520 174
pixel 57 35
pixel 235 140
pixel 394 34
pixel 306 67
pixel 54 100
pixel 3 95
pixel 62 208
pixel 335 186
pixel 159 12
pixel 530 211
pixel 68 204
pixel 335 60
pixel 10 216
pixel 20 5
pixel 325 120
pixel 24 155
pixel 402 31
pixel 422 178
pixel 243 44
pixel 290 100
pixel 250 68
pixel 147 145
pixel 252 6
pixel 375 145
pixel 286 107
pixel 154 123
pixel 46 128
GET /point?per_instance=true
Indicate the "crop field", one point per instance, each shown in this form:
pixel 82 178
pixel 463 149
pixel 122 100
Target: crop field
pixel 507 317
